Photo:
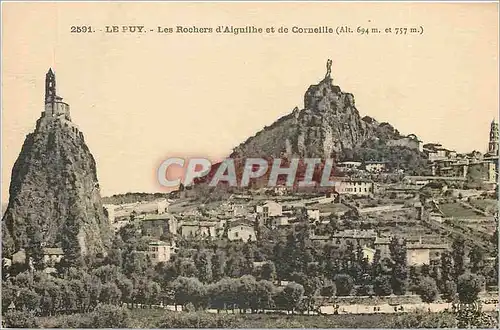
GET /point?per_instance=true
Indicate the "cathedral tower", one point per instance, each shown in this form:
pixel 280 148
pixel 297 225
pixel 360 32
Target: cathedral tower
pixel 493 144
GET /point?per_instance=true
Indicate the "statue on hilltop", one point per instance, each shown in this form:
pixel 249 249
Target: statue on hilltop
pixel 328 68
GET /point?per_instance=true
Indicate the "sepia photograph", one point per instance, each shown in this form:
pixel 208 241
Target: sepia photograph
pixel 247 165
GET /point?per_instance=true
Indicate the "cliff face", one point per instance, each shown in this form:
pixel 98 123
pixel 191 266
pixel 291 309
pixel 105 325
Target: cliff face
pixel 54 193
pixel 327 127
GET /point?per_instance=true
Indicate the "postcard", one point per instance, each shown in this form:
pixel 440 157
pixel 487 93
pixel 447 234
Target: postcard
pixel 250 165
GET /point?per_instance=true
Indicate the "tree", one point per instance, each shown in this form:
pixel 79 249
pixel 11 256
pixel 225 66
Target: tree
pixel 247 293
pixel 458 255
pixel 185 268
pixel 236 265
pixel 27 300
pixel 110 294
pixel 126 288
pixel 265 293
pixel 468 287
pixel 8 294
pixel 311 283
pixel 93 286
pixel 475 175
pixel 329 289
pixel 268 271
pixel 382 285
pixel 292 296
pixel 446 268
pixel 376 266
pixel 333 224
pixel 344 284
pixel 189 290
pixel 476 257
pixel 154 291
pixel 34 251
pixel 449 291
pixel 249 254
pixel 82 295
pixel 427 289
pixel 224 293
pixel 135 262
pixel 218 265
pixel 114 257
pixel 203 263
pixel 70 244
pixel 400 269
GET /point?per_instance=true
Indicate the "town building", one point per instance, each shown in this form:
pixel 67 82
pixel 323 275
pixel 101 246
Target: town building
pixel 375 166
pixel 435 151
pixel 269 209
pixel 156 225
pixel 159 251
pixel 313 214
pixel 410 141
pixel 279 221
pixel 357 187
pixel 239 210
pixel 417 253
pixel 423 254
pixel 240 230
pixel 109 211
pixel 355 237
pixel 491 157
pixel 162 205
pixel 368 253
pixel 280 190
pixel 425 180
pixel 52 256
pixel 198 229
pixel 349 166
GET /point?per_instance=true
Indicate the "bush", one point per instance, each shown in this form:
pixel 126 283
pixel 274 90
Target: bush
pixel 19 319
pixel 110 316
pixel 73 321
pixel 423 319
pixel 196 320
pixel 427 289
pixel 382 286
pixel 344 284
pixel 469 286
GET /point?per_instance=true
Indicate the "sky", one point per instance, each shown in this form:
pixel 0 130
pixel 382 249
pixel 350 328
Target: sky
pixel 139 99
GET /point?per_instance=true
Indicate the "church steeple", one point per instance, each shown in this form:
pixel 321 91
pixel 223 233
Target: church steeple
pixel 54 105
pixel 493 144
pixel 50 87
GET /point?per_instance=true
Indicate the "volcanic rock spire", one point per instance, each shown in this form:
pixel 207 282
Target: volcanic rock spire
pixel 54 197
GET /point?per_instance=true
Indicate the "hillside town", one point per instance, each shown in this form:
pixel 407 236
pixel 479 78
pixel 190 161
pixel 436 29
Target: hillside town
pixel 456 203
pixel 409 229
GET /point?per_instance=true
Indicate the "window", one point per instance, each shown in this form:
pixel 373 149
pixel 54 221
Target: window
pixel 236 234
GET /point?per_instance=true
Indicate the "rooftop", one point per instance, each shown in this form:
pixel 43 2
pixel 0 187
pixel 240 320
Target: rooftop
pixel 53 251
pixel 164 216
pixel 158 243
pixel 354 233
